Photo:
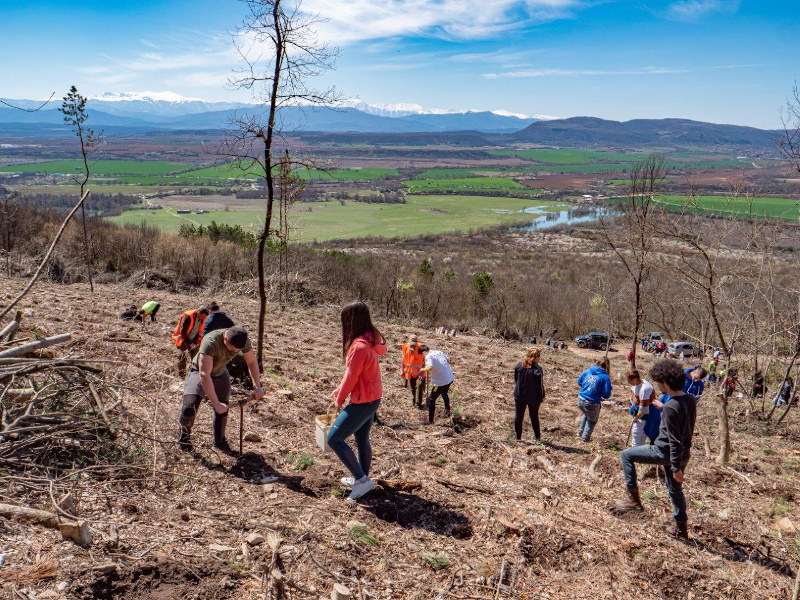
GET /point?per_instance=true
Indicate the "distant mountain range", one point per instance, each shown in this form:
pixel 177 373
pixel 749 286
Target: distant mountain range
pixel 168 111
pixel 358 122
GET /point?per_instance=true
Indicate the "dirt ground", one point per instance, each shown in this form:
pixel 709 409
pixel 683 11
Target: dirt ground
pixel 478 515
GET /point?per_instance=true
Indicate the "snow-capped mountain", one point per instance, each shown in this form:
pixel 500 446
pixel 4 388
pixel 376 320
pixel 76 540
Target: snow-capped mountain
pixel 168 110
pixel 155 104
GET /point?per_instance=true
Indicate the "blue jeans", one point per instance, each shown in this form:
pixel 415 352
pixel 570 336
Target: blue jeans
pixel 651 455
pixel 591 413
pixel 355 420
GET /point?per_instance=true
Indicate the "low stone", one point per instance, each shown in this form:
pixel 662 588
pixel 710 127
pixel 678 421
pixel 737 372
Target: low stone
pixel 104 568
pixel 784 525
pixel 286 395
pixel 251 436
pixel 255 539
pixel 546 493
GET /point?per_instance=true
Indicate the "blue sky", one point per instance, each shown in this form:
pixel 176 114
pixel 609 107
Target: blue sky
pixel 725 61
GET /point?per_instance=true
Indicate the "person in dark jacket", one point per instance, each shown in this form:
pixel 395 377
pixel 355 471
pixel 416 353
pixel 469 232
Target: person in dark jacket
pixel 595 386
pixel 528 392
pixel 216 319
pixel 672 447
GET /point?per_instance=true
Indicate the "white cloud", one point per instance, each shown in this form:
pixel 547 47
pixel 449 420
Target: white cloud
pixel 201 79
pixel 690 10
pixel 581 72
pixel 350 21
pixel 530 73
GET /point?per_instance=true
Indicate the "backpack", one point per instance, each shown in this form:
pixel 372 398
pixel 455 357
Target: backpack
pixel 128 314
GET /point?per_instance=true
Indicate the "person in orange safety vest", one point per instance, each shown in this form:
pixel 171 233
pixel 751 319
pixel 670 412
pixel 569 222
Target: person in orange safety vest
pixel 188 334
pixel 413 362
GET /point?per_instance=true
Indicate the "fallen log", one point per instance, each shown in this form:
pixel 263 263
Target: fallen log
pixel 37 345
pixel 593 466
pixel 22 394
pixel 8 330
pixel 96 396
pixel 77 531
pixel 401 485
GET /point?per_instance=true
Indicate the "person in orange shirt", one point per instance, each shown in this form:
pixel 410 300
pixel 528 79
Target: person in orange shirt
pixel 413 361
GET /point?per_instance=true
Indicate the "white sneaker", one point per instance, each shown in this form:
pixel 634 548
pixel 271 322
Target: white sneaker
pixel 348 481
pixel 361 487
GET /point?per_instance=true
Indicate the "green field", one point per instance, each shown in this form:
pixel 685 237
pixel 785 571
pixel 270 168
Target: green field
pixel 445 174
pixel 568 156
pixel 465 185
pixel 778 208
pixel 104 168
pixel 323 221
pixel 161 172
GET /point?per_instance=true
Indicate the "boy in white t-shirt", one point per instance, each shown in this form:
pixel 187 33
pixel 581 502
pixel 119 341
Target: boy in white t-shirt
pixel 642 394
pixel 437 366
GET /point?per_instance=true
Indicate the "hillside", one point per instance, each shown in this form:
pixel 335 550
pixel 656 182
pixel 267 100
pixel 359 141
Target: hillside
pixel 583 132
pixel 473 515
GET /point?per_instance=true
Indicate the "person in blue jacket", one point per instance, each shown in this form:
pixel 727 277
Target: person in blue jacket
pixel 595 386
pixel 695 384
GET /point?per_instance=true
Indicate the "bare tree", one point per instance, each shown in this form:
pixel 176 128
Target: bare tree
pixel 28 110
pixel 9 217
pixel 631 236
pixel 291 186
pixel 280 52
pixel 790 142
pixel 75 114
pixel 74 110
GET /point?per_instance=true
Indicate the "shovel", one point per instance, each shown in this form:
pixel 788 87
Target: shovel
pixel 241 404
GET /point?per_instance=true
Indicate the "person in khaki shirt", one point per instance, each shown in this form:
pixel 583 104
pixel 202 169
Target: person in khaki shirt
pixel 209 378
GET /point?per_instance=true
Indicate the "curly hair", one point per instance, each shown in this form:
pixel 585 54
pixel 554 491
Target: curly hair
pixel 530 356
pixel 669 372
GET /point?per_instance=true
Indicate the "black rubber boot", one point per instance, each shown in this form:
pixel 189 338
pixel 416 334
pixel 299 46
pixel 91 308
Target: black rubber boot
pixel 220 443
pixel 185 423
pixel 184 439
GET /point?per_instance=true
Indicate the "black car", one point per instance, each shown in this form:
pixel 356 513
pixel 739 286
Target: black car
pixel 596 340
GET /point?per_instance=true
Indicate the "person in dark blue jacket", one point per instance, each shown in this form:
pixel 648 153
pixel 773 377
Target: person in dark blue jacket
pixel 595 386
pixel 216 319
pixel 695 384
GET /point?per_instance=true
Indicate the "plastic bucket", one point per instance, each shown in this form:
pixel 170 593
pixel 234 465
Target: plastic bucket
pixel 323 426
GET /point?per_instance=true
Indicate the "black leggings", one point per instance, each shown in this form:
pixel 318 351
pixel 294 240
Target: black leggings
pixel 436 391
pixel 519 415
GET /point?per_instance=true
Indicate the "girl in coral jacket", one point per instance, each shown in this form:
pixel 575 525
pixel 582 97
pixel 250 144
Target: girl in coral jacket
pixel 362 343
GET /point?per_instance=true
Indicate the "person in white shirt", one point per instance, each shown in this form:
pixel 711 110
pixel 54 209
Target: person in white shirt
pixel 437 366
pixel 642 395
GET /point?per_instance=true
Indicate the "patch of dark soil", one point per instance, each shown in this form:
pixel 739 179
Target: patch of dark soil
pixel 566 449
pixel 463 423
pixel 719 540
pixel 545 548
pixel 252 468
pixel 162 580
pixel 413 512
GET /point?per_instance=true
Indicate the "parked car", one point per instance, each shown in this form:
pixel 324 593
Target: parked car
pixel 595 339
pixel 655 336
pixel 688 349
